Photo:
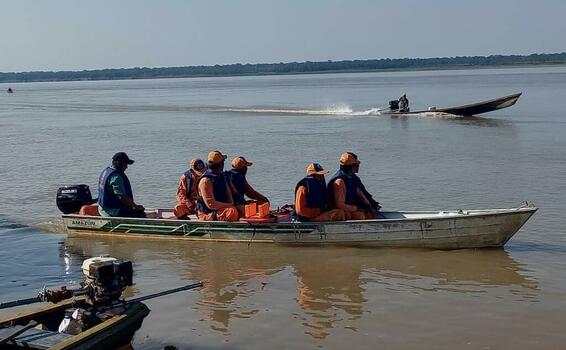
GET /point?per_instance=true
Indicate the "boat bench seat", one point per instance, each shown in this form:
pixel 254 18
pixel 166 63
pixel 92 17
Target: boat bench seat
pixel 33 338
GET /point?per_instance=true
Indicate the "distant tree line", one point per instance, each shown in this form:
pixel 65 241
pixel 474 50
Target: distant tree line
pixel 288 68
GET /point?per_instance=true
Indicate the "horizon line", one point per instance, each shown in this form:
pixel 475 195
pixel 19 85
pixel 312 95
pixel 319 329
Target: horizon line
pixel 282 63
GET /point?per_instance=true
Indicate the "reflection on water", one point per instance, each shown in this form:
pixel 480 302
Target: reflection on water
pixel 470 120
pixel 267 296
pixel 481 121
pixel 330 284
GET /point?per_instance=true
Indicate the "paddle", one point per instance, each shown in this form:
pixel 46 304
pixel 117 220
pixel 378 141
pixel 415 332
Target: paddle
pixel 27 301
pixel 167 292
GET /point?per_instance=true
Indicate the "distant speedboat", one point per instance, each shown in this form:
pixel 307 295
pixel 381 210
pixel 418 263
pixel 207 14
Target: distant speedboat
pixel 471 109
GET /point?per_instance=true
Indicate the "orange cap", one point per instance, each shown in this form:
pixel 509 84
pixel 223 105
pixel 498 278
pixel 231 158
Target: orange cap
pixel 348 158
pixel 197 165
pixel 316 169
pixel 240 163
pixel 216 157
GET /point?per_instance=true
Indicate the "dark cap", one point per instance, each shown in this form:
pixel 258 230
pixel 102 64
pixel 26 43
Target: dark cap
pixel 316 169
pixel 123 158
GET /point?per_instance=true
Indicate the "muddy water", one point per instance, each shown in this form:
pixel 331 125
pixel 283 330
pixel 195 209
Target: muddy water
pixel 263 296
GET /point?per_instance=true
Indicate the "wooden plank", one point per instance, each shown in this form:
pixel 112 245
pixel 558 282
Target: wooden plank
pixel 43 310
pixel 115 325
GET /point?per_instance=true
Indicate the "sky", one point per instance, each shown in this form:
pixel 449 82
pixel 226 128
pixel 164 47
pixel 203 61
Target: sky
pixel 80 34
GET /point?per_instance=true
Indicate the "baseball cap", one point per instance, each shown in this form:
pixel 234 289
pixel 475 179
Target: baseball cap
pixel 240 163
pixel 216 157
pixel 316 169
pixel 348 158
pixel 122 157
pixel 197 164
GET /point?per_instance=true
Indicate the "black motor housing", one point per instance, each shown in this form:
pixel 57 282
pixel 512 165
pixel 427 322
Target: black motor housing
pixel 394 105
pixel 70 199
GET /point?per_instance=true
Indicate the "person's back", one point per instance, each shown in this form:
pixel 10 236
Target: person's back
pixel 240 187
pixel 115 196
pixel 187 192
pixel 215 202
pixel 344 192
pixel 403 103
pixel 311 200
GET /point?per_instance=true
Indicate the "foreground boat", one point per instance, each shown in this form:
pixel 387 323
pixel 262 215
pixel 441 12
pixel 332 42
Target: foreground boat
pixel 16 332
pixel 453 229
pixel 471 109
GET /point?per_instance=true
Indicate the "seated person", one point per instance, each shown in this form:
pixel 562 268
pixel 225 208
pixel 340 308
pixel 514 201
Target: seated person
pixel 344 192
pixel 374 205
pixel 115 197
pixel 214 201
pixel 403 103
pixel 187 191
pixel 311 199
pixel 240 187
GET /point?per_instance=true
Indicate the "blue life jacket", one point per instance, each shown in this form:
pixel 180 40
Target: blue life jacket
pixel 239 182
pixel 351 187
pixel 316 192
pixel 219 188
pixel 107 199
pixel 188 177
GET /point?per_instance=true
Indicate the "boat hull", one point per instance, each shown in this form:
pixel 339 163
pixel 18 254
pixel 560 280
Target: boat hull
pixel 438 230
pixel 472 109
pixel 113 333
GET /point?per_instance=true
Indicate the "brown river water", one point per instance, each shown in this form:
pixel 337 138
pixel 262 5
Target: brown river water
pixel 261 296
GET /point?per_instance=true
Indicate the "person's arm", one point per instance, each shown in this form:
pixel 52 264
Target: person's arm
pixel 253 194
pixel 301 204
pixel 117 186
pixel 234 192
pixel 339 193
pixel 206 190
pixel 229 195
pixel 365 203
pixel 182 192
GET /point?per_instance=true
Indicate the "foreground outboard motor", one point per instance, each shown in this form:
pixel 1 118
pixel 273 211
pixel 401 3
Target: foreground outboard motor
pixel 70 199
pixel 394 105
pixel 106 278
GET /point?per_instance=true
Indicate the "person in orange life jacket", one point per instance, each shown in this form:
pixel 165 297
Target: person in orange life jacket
pixel 344 192
pixel 240 187
pixel 374 205
pixel 187 191
pixel 115 196
pixel 311 198
pixel 215 201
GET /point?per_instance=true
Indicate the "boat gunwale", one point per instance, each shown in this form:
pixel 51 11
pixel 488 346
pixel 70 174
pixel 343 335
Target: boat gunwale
pixel 452 215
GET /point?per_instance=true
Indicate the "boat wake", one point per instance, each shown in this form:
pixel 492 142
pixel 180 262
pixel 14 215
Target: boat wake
pixel 345 111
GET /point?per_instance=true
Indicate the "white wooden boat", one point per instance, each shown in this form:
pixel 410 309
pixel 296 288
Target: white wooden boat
pixel 447 229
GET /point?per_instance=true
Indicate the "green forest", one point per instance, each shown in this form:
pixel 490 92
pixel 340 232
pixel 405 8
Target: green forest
pixel 288 68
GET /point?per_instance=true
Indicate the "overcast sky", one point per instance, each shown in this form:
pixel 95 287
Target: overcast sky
pixel 77 34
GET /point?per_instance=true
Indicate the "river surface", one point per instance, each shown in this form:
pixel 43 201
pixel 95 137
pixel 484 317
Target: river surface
pixel 265 296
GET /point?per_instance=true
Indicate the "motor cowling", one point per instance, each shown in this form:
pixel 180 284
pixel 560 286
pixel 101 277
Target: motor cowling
pixel 106 278
pixel 70 199
pixel 394 105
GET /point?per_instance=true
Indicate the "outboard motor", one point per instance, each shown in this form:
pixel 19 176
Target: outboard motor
pixel 394 105
pixel 106 278
pixel 70 199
